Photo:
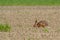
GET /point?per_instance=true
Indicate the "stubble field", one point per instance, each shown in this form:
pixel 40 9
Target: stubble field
pixel 22 18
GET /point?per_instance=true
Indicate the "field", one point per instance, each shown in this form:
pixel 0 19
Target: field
pixel 22 18
pixel 29 2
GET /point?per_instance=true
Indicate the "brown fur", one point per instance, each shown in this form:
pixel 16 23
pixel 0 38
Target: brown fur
pixel 40 24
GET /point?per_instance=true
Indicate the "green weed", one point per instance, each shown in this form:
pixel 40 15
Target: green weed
pixel 4 27
pixel 46 30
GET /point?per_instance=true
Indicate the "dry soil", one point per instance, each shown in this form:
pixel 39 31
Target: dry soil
pixel 22 18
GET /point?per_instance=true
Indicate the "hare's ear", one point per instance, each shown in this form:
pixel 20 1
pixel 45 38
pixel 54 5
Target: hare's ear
pixel 35 24
pixel 36 20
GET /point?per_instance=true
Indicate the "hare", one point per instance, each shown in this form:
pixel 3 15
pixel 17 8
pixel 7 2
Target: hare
pixel 41 23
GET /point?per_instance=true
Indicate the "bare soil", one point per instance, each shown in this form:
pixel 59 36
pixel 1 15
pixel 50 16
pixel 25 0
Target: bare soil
pixel 22 18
